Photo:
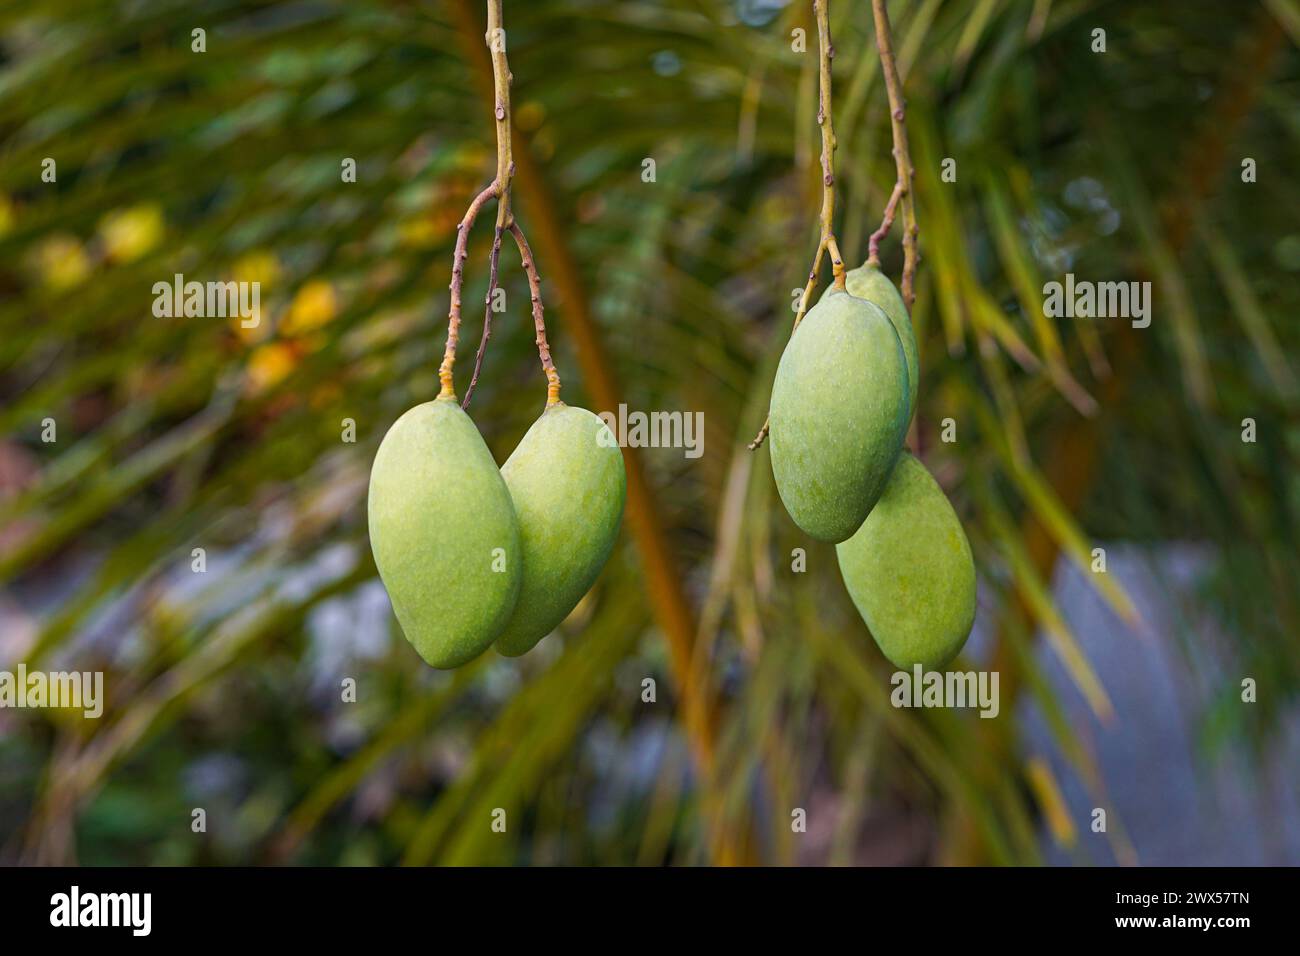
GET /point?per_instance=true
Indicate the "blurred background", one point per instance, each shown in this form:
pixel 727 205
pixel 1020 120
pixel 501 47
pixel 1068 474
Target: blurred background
pixel 1120 690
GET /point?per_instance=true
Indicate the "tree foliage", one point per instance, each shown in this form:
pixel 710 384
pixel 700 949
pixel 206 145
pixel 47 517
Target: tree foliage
pixel 183 433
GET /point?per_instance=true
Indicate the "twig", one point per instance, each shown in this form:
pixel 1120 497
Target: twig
pixel 826 241
pixel 535 292
pixel 499 188
pixel 886 223
pixel 904 188
pixel 447 390
pixel 494 259
pixel 825 119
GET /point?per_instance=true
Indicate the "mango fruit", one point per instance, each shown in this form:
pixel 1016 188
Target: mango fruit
pixel 868 282
pixel 838 415
pixel 910 572
pixel 568 485
pixel 443 533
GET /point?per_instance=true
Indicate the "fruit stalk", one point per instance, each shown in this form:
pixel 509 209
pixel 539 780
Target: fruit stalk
pixel 495 38
pixel 501 79
pixel 886 223
pixel 903 189
pixel 493 262
pixel 535 292
pixel 826 240
pixel 499 188
pixel 825 119
pixel 447 389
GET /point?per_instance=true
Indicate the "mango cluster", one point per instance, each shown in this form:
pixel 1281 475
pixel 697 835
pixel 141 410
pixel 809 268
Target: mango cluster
pixel 474 557
pixel 844 394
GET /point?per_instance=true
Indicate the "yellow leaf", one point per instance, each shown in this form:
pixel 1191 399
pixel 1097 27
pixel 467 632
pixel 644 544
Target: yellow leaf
pixel 268 366
pixel 1052 803
pixel 129 233
pixel 313 306
pixel 259 266
pixel 62 262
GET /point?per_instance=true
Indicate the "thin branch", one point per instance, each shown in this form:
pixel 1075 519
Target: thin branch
pixel 447 390
pixel 902 155
pixel 493 260
pixel 535 292
pixel 886 223
pixel 826 241
pixel 495 38
pixel 825 119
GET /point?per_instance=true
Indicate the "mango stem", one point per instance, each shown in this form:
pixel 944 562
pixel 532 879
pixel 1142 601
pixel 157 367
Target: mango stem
pixel 902 156
pixel 499 188
pixel 826 241
pixel 539 323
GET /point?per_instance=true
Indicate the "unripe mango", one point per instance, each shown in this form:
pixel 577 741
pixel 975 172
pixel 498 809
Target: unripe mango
pixel 444 534
pixel 567 482
pixel 910 572
pixel 868 282
pixel 838 415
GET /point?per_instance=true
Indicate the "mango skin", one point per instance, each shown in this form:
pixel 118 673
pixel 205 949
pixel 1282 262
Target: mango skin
pixel 438 509
pixel 910 572
pixel 568 485
pixel 868 282
pixel 838 415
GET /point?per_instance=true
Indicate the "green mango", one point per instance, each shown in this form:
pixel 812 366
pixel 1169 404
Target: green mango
pixel 567 482
pixel 910 572
pixel 838 415
pixel 868 282
pixel 444 533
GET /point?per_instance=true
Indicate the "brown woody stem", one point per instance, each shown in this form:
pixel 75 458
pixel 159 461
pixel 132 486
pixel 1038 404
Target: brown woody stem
pixel 886 223
pixel 826 241
pixel 904 188
pixel 535 292
pixel 495 38
pixel 447 389
pixel 494 259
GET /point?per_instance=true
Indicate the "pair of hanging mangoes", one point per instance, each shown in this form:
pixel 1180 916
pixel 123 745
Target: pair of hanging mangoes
pixel 842 401
pixel 474 557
